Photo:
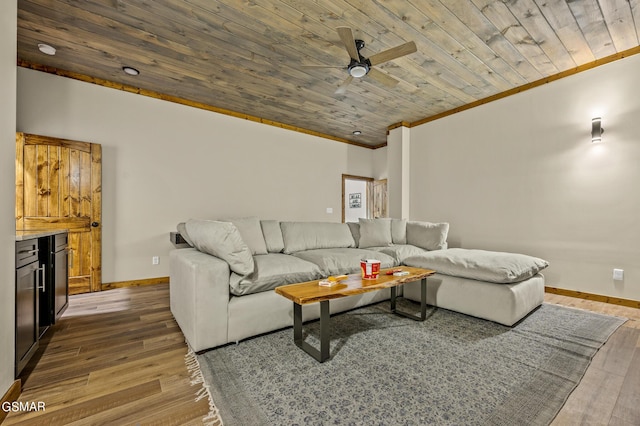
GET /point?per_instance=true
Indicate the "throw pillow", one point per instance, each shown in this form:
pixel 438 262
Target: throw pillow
pixel 429 236
pixel 375 233
pixel 251 232
pixel 223 240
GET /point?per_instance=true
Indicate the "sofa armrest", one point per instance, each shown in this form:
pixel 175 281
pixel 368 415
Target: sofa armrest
pixel 199 294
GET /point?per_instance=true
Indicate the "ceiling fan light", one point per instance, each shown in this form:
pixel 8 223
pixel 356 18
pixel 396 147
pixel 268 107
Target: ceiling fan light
pixel 358 71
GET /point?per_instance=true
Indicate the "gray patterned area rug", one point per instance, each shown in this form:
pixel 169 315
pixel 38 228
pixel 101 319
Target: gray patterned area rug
pixel 451 369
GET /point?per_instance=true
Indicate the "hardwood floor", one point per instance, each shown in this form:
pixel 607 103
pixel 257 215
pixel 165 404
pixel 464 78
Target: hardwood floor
pixel 118 357
pixel 609 393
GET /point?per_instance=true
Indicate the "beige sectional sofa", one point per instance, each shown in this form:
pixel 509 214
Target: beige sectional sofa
pixel 222 287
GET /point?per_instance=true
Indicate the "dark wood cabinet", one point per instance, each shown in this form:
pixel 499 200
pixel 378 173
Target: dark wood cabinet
pixel 42 289
pixel 28 278
pixel 54 293
pixel 60 261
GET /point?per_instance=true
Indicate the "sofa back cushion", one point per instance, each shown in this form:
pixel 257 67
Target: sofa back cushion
pixel 300 236
pixel 251 233
pixel 399 231
pixel 182 230
pixel 374 233
pixel 427 235
pixel 223 240
pixel 272 235
pixel 354 227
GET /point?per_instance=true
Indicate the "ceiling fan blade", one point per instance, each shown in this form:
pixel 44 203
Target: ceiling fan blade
pixel 323 66
pixel 382 78
pixel 346 35
pixel 343 87
pixel 393 53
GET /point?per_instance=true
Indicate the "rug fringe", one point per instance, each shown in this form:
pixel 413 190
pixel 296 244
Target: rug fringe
pixel 193 366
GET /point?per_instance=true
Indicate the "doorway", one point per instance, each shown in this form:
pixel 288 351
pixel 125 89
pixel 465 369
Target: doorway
pixel 59 186
pixel 363 197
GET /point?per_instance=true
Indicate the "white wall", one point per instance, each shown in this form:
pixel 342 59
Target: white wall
pixel 380 166
pixel 398 170
pixel 8 31
pixel 164 163
pixel 352 186
pixel 521 174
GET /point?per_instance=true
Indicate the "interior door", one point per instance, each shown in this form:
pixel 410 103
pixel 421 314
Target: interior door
pixel 58 186
pixel 380 203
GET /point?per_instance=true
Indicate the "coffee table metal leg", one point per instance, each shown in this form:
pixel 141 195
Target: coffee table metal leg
pixel 423 299
pixel 394 295
pixel 423 303
pixel 320 355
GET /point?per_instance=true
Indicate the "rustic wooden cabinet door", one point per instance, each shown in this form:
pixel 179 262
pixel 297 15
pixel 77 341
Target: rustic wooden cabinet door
pixel 59 186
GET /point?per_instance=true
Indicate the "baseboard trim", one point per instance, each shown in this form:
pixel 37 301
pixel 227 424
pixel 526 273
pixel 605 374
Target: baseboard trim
pixel 11 395
pixel 595 297
pixel 135 283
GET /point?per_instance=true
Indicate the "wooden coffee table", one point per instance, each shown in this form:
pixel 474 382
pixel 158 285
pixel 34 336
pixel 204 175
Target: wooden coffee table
pixel 310 292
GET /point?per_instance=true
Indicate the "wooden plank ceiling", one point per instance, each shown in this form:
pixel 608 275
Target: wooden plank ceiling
pixel 251 56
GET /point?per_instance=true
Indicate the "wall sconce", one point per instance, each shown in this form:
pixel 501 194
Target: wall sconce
pixel 596 130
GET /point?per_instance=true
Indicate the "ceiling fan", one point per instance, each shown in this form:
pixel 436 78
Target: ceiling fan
pixel 360 66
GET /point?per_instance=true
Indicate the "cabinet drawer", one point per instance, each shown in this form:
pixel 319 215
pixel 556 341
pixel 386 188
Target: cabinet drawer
pixel 61 242
pixel 26 252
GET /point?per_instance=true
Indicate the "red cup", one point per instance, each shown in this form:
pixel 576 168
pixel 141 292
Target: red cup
pixel 370 269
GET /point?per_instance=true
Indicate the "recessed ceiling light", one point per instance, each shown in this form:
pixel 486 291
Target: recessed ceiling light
pixel 357 133
pixel 46 49
pixel 130 70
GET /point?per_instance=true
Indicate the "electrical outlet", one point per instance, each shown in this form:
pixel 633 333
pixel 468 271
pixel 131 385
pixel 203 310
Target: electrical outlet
pixel 618 274
pixel 329 210
pixel 155 260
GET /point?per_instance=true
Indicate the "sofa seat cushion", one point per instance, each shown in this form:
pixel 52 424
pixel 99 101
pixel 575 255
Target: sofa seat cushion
pixel 482 265
pixel 273 270
pixel 400 252
pixel 336 261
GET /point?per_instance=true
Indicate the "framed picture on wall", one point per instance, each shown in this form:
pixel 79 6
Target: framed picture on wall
pixel 355 200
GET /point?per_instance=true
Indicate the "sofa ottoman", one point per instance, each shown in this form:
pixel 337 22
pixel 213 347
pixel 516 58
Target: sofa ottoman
pixel 496 286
